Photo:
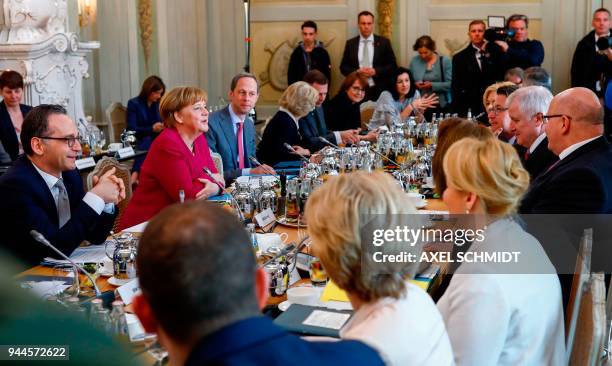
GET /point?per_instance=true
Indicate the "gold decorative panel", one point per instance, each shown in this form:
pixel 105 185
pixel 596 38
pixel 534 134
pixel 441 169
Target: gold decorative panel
pixel 272 45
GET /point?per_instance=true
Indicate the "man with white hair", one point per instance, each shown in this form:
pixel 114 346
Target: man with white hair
pixel 526 108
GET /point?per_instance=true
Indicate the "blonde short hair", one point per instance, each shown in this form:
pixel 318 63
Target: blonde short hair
pixel 492 89
pixel 338 211
pixel 300 98
pixel 491 169
pixel 177 99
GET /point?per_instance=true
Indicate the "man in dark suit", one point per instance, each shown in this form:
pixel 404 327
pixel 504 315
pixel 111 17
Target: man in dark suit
pixel 589 65
pixel 521 51
pixel 313 125
pixel 12 112
pixel 581 182
pixel 214 249
pixel 526 106
pixel 43 191
pixel 231 131
pixel 474 69
pixel 371 55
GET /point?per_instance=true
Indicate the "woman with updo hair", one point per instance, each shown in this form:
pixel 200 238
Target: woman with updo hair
pixel 498 313
pixel 392 315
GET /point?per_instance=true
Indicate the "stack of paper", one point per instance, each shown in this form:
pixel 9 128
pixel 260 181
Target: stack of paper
pixel 81 255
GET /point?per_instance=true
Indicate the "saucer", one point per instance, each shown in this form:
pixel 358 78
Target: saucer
pixel 283 306
pixel 118 282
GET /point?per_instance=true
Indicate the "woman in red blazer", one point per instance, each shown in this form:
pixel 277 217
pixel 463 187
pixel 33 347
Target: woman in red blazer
pixel 176 158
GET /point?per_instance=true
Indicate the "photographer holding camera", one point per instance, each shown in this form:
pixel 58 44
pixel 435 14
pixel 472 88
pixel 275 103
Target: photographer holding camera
pixel 592 62
pixel 521 51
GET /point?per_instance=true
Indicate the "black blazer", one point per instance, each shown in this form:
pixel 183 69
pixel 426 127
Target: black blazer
pixel 319 59
pixel 280 129
pixel 27 204
pixel 8 137
pixel 383 61
pixel 341 113
pixel 580 183
pixel 312 126
pixel 588 66
pixel 538 161
pixel 470 81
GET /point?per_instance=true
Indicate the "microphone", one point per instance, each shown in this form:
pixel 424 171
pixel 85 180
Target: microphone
pixel 292 150
pixel 257 163
pixel 289 248
pixel 41 239
pixel 326 141
pixel 223 190
pixel 478 116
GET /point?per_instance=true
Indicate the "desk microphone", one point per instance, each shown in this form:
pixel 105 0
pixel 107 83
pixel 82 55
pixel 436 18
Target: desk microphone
pixel 323 139
pixel 223 190
pixel 292 150
pixel 257 163
pixel 41 239
pixel 289 248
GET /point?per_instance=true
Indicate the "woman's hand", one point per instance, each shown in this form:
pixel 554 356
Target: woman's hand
pixel 423 103
pixel 301 151
pixel 372 136
pixel 210 189
pixel 158 126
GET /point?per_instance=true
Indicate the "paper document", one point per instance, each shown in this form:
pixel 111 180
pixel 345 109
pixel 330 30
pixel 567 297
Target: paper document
pixel 326 319
pixel 89 254
pixel 136 228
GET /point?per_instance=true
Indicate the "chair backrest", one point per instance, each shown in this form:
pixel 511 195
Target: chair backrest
pixel 122 172
pixel 582 273
pixel 218 161
pixel 116 115
pixel 591 326
pixel 367 110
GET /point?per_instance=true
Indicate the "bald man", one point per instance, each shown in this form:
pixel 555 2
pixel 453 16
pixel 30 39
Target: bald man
pixel 581 181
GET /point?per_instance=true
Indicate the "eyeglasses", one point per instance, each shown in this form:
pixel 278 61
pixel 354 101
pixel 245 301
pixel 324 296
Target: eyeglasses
pixel 546 118
pixel 496 110
pixel 357 89
pixel 70 140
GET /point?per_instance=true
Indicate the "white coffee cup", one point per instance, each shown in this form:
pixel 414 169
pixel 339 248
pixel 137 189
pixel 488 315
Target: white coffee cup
pixel 303 295
pixel 115 146
pixel 417 199
pixel 267 241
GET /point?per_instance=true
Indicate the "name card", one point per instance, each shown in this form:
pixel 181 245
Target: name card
pixel 265 217
pixel 85 163
pixel 125 152
pixel 128 291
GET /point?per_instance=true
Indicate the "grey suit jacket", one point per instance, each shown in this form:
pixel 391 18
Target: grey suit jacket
pixel 222 140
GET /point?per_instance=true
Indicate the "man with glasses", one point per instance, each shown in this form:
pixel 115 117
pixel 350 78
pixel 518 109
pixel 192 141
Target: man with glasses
pixel 581 181
pixel 369 54
pixel 231 131
pixel 43 191
pixel 526 106
pixel 521 51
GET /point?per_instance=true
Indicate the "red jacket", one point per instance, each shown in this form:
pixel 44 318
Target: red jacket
pixel 168 168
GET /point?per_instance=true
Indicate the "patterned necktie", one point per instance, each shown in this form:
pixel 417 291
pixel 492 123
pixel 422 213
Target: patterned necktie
pixel 365 55
pixel 63 203
pixel 240 145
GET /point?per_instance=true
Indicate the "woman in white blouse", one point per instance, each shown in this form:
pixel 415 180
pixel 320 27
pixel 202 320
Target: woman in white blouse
pixel 496 313
pixel 392 315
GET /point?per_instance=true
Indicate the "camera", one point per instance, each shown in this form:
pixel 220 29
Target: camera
pixel 499 34
pixel 603 43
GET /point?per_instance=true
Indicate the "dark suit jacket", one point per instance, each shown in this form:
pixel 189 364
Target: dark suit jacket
pixel 8 137
pixel 580 183
pixel 280 129
pixel 588 66
pixel 27 204
pixel 319 60
pixel 341 113
pixel 141 118
pixel 222 140
pixel 469 81
pixel 312 126
pixel 383 61
pixel 538 161
pixel 257 341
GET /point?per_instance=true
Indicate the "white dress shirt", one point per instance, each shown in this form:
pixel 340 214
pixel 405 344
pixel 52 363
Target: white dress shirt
pixel 91 199
pixel 370 62
pixel 505 318
pixel 570 149
pixel 406 331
